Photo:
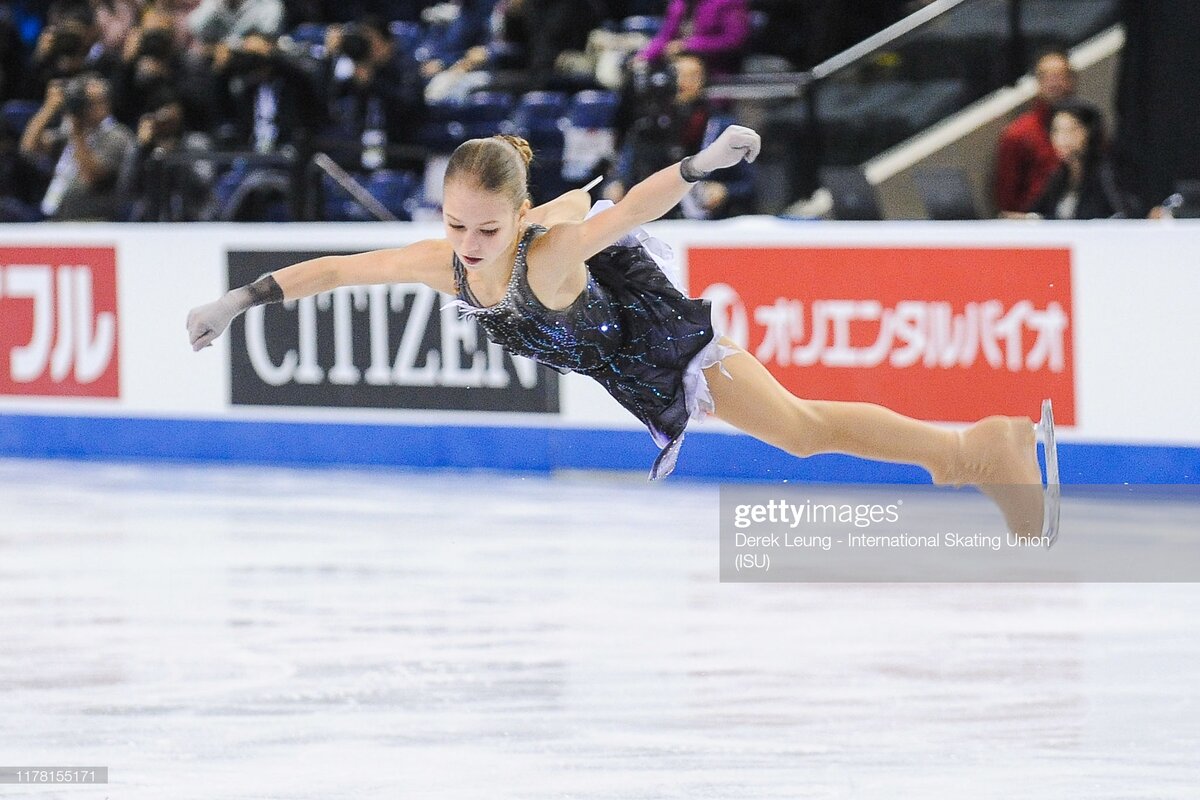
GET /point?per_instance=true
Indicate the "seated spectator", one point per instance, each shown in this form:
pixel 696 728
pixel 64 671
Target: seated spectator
pixel 61 52
pixel 94 148
pixel 1025 158
pixel 1085 185
pixel 229 21
pixel 160 133
pixel 114 20
pixel 268 98
pixel 455 27
pixel 669 126
pixel 151 62
pixel 714 30
pixel 557 26
pixel 374 93
pixel 526 38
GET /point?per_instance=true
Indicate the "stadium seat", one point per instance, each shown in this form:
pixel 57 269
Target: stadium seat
pixel 393 188
pixel 406 35
pixel 946 193
pixel 309 33
pixel 644 24
pixel 17 113
pixel 537 118
pixel 593 109
pixel 854 198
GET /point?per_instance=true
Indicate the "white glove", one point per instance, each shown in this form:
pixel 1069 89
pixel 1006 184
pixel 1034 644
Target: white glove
pixel 207 322
pixel 735 143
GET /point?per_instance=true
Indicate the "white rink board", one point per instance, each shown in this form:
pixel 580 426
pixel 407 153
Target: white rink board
pixel 1135 337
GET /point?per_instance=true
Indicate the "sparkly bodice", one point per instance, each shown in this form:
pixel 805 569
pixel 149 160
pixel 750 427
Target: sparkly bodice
pixel 579 338
pixel 629 329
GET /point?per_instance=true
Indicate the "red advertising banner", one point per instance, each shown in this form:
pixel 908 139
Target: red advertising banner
pixel 58 321
pixel 948 334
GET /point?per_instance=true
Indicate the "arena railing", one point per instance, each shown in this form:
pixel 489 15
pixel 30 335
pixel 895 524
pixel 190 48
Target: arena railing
pixel 881 91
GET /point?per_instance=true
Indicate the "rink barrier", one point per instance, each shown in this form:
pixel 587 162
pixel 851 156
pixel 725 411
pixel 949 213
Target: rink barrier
pixel 706 456
pixel 94 361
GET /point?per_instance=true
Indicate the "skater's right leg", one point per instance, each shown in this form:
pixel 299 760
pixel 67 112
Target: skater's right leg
pixel 997 454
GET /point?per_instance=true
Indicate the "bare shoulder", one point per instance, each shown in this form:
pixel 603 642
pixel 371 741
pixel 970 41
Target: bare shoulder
pixel 556 273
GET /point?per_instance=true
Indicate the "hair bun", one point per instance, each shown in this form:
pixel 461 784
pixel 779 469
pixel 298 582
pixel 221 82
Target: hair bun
pixel 522 147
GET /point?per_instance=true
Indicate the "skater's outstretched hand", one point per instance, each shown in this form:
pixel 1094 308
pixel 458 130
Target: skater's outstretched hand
pixel 205 323
pixel 734 144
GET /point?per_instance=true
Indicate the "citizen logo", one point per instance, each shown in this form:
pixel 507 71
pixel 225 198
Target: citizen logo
pixel 379 346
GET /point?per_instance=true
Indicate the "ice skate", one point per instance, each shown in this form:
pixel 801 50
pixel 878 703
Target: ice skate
pixel 1053 491
pixel 998 455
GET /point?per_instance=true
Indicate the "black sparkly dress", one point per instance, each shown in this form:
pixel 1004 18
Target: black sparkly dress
pixel 629 329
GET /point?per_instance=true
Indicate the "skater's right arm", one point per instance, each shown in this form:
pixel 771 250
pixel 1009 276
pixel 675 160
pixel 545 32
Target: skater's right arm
pixel 428 262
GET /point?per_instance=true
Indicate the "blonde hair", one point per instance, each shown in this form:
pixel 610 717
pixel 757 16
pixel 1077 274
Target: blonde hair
pixel 498 163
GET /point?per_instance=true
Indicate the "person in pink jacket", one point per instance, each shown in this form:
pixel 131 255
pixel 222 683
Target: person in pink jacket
pixel 715 30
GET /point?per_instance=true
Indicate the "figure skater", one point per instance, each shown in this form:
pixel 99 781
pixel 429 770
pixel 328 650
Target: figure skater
pixel 581 295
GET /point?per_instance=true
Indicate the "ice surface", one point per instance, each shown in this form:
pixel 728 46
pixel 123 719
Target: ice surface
pixel 250 633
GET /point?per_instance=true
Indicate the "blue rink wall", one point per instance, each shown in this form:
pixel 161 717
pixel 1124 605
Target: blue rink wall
pixel 94 362
pixel 706 456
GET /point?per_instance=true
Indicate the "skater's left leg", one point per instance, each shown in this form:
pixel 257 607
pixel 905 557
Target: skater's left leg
pixel 997 454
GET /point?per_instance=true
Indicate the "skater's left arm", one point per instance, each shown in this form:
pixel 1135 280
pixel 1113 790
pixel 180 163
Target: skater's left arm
pixel 571 206
pixel 650 199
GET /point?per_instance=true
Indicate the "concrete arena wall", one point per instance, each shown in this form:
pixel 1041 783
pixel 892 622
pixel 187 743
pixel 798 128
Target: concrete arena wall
pixel 939 320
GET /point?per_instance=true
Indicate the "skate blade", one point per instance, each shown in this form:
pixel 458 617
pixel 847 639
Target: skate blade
pixel 1053 490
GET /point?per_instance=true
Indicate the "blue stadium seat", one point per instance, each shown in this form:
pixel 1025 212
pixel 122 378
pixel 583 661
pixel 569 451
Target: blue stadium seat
pixel 17 113
pixel 593 109
pixel 393 188
pixel 645 24
pixel 406 35
pixel 537 118
pixel 310 33
pixel 483 113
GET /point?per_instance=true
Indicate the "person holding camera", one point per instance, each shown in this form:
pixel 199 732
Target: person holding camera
pixel 68 45
pixel 150 65
pixel 268 98
pixel 94 147
pixel 670 115
pixel 375 94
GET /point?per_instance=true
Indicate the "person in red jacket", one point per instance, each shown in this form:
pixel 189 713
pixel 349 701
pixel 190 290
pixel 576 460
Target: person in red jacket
pixel 1025 158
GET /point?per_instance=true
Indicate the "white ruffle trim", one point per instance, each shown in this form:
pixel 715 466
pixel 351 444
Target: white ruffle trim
pixel 696 393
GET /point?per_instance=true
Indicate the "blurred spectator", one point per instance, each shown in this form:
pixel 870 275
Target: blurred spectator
pixel 556 26
pixel 454 28
pixel 526 38
pixel 1085 185
pixel 674 120
pixel 94 147
pixel 160 133
pixel 114 20
pixel 67 46
pixel 715 30
pixel 375 96
pixel 153 66
pixel 1025 158
pixel 229 21
pixel 269 98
